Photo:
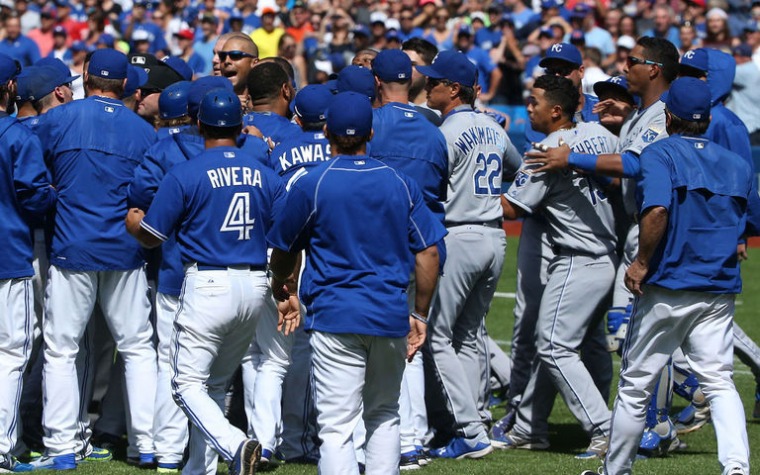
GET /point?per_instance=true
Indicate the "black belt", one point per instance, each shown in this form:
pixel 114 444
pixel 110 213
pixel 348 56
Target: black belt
pixel 235 267
pixel 496 223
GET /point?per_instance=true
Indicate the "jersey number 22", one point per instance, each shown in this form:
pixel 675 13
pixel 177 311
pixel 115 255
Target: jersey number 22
pixel 487 173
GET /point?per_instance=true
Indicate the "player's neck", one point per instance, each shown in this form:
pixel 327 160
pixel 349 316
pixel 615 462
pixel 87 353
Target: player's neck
pixel 652 95
pixel 278 107
pixel 451 106
pixel 225 142
pixel 561 125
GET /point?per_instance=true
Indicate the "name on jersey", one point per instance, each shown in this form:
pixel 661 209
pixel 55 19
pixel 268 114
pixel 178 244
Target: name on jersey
pixel 596 145
pixel 234 176
pixel 480 136
pixel 304 154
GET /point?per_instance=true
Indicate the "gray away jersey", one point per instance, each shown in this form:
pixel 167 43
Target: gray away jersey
pixel 641 128
pixel 580 216
pixel 477 159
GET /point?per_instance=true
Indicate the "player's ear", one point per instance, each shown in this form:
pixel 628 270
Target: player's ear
pixel 581 70
pixel 326 132
pixel 456 88
pixel 371 134
pixel 298 120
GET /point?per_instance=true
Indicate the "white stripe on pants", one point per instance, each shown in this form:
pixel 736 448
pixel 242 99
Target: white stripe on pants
pixel 701 323
pixel 350 370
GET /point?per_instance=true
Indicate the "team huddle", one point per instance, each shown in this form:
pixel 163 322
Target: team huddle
pixel 328 258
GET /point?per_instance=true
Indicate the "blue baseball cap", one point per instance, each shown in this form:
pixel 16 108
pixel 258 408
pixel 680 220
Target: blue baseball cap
pixel 549 4
pixel 362 30
pixel 349 114
pixel 9 68
pixel 60 31
pixel 695 59
pixel 392 35
pixel 136 78
pixel 41 81
pixel 200 87
pixel 357 79
pixel 105 40
pixel 58 65
pixel 743 49
pixel 180 66
pixel 220 108
pixel 751 26
pixel 453 66
pixel 546 31
pixel 689 99
pixel 580 11
pixel 172 103
pixel 617 84
pixel 79 46
pixel 23 83
pixel 311 102
pixel 108 64
pixel 465 30
pixel 564 52
pixel 392 65
pixel 577 37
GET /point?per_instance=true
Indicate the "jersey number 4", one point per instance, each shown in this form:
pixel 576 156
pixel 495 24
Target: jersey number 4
pixel 239 216
pixel 487 174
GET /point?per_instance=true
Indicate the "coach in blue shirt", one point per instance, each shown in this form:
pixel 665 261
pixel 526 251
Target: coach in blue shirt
pixel 694 197
pixel 361 224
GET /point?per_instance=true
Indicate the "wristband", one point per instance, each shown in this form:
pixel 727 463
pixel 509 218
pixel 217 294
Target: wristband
pixel 584 161
pixel 418 317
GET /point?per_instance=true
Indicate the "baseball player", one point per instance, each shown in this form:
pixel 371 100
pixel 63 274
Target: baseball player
pixel 172 110
pixel 582 234
pixel 695 196
pixel 26 192
pixel 170 424
pixel 92 260
pixel 359 333
pixel 477 148
pixel 237 56
pixel 406 141
pixel 271 93
pixel 651 67
pixel 220 204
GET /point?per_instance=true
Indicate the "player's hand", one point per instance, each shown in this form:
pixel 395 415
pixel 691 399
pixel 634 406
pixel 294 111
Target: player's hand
pixel 550 159
pixel 416 338
pixel 634 276
pixel 133 219
pixel 612 107
pixel 288 315
pixel 741 252
pixel 280 290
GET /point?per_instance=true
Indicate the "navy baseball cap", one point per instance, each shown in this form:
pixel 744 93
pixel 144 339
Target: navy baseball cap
pixel 79 46
pixel 172 103
pixel 392 35
pixel 361 30
pixel 200 87
pixel 392 65
pixel 136 78
pixel 580 11
pixel 36 82
pixel 695 59
pixel 109 64
pixel 615 84
pixel 180 67
pixel 564 52
pixel 60 31
pixel 311 102
pixel 743 49
pixel 58 65
pixel 751 26
pixel 357 79
pixel 577 37
pixel 688 99
pixel 23 83
pixel 465 30
pixel 546 31
pixel 105 40
pixel 9 68
pixel 349 114
pixel 453 66
pixel 220 108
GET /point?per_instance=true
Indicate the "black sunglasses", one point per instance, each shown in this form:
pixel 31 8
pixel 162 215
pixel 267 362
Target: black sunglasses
pixel 432 82
pixel 633 60
pixel 234 55
pixel 560 69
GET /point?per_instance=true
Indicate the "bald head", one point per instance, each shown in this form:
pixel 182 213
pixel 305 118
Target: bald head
pixel 237 57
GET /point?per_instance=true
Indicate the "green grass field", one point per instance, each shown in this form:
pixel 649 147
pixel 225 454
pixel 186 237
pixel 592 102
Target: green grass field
pixel 567 438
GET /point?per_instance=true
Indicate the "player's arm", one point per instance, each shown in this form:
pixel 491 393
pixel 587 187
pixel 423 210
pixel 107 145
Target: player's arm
pixel 165 212
pixel 144 185
pixel 561 158
pixel 426 266
pixel 133 222
pixel 34 192
pixel 510 210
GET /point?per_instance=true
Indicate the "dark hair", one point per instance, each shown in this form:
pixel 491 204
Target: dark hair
pixel 687 127
pixel 467 94
pixel 115 86
pixel 216 133
pixel 266 80
pixel 424 48
pixel 283 63
pixel 593 55
pixel 559 91
pixel 313 125
pixel 176 122
pixel 347 145
pixel 661 51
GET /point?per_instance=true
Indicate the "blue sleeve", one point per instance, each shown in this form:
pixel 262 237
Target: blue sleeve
pixel 654 183
pixel 148 176
pixel 291 231
pixel 424 229
pixel 255 147
pixel 33 190
pixel 167 208
pixel 631 164
pixel 753 211
pixel 34 52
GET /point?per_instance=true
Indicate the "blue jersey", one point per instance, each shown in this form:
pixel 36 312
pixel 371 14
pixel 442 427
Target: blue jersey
pixel 406 141
pixel 164 132
pixel 292 157
pixel 221 206
pixel 482 60
pixel 274 126
pixel 22 49
pixel 706 189
pixel 360 222
pixel 26 193
pixel 92 147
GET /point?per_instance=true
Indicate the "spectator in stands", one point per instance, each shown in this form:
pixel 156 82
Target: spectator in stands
pixel 624 46
pixel 43 36
pixel 196 62
pixel 612 22
pixel 138 20
pixel 18 46
pixel 663 27
pixel 267 37
pixel 489 76
pixel 628 27
pixel 718 35
pixel 204 45
pixel 441 35
pixel 408 30
pixel 745 95
pixel 688 36
pixel 291 51
pixel 694 14
pixel 30 18
pixel 299 21
pixel 592 60
pixel 60 50
pixel 583 18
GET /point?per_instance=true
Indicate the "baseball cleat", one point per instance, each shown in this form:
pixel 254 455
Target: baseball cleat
pixel 512 441
pixel 169 467
pixel 654 444
pixel 504 425
pixel 598 471
pixel 58 462
pixel 423 456
pixel 460 448
pixel 8 464
pixel 596 449
pixel 145 460
pixel 246 458
pixel 409 461
pixel 692 418
pixel 94 454
pixel 736 471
